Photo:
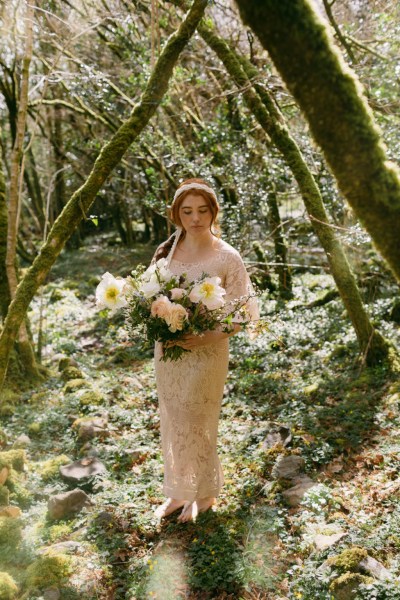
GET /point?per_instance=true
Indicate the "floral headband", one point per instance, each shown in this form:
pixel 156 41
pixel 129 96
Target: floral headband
pixel 194 186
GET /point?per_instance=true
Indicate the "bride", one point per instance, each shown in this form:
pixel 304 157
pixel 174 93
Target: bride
pixel 190 390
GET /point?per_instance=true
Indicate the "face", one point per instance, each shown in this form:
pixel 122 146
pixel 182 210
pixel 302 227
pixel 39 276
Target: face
pixel 195 214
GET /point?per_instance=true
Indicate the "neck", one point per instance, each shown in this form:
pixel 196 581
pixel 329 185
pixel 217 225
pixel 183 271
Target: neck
pixel 195 242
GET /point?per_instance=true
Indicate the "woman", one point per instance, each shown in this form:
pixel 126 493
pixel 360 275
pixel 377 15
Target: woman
pixel 190 390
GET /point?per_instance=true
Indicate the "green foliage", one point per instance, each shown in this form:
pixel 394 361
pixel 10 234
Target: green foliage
pixel 50 469
pixel 215 558
pixel 10 537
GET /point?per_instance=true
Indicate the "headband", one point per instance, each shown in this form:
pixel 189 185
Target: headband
pixel 194 186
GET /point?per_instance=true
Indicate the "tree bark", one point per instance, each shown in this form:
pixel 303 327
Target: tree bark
pixel 110 155
pixel 340 119
pixel 372 344
pixel 25 349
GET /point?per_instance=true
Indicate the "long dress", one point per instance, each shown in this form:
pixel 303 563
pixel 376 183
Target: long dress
pixel 190 391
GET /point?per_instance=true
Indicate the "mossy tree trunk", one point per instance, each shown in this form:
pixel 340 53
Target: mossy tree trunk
pixel 340 119
pixel 4 289
pixel 79 204
pixel 25 349
pixel 372 344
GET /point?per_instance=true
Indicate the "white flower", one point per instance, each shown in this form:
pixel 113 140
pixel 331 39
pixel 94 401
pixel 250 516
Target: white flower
pixel 109 292
pixel 151 287
pixel 209 292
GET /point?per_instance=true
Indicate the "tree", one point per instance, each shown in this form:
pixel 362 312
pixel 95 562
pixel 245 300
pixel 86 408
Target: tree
pixel 372 344
pixel 340 119
pixel 77 207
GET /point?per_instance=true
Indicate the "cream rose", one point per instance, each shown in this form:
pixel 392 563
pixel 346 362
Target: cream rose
pixel 161 307
pixel 176 318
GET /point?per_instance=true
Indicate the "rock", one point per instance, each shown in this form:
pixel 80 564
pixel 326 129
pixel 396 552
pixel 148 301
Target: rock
pixel 294 495
pixel 75 384
pixel 91 427
pixel 288 467
pixel 277 434
pixel 22 441
pixel 82 469
pixel 375 568
pixel 10 511
pixel 4 473
pixel 67 503
pixel 52 593
pixel 67 547
pixel 104 519
pixel 322 542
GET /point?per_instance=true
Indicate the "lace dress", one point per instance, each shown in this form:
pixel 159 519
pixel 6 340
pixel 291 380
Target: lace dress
pixel 190 391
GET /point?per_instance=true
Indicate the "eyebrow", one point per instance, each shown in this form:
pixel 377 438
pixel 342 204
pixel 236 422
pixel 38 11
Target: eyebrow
pixel 190 207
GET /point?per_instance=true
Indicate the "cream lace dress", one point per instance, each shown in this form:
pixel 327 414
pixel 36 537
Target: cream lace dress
pixel 190 391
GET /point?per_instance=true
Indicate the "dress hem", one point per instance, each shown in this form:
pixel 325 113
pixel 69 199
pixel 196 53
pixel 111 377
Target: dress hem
pixel 190 494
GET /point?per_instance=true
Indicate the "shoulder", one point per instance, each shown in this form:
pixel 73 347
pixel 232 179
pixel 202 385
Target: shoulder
pixel 229 250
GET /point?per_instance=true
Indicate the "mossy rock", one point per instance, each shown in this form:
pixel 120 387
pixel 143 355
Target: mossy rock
pixel 349 559
pixel 48 570
pixel 70 284
pixel 59 532
pixel 65 362
pixel 8 587
pixel 71 373
pixel 38 397
pixel 91 397
pixel 10 535
pixel 339 351
pixel 13 458
pixel 34 428
pixel 74 384
pixel 4 497
pixel 51 468
pixel 346 586
pixel 7 410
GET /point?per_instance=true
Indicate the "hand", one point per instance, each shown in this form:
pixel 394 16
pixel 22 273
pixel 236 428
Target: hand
pixel 190 341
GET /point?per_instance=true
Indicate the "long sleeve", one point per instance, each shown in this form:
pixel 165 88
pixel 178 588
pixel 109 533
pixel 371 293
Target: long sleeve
pixel 238 286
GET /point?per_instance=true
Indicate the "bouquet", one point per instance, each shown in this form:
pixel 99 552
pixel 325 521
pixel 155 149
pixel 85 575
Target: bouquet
pixel 163 307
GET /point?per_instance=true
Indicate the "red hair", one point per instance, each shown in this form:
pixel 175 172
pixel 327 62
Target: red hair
pixel 210 198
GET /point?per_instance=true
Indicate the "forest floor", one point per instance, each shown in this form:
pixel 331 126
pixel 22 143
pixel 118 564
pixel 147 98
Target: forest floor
pixel 302 381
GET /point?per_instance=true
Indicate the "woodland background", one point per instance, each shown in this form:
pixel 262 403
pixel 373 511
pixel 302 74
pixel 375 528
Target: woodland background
pixel 105 107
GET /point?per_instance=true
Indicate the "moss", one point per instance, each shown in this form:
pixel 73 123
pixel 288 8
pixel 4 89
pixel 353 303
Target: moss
pixel 34 428
pixel 59 532
pixel 309 390
pixel 349 559
pixel 71 373
pixel 51 468
pixel 10 534
pixel 346 586
pixel 4 495
pixel 50 569
pixel 6 410
pixel 91 397
pixel 13 458
pixel 73 385
pixel 19 494
pixel 38 397
pixel 8 587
